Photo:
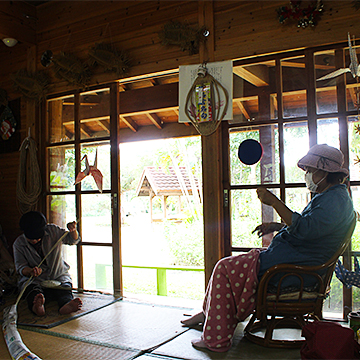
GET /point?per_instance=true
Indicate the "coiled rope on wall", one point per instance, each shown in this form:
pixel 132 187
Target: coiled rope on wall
pixel 28 186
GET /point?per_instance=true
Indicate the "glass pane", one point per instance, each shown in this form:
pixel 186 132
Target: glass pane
pixel 294 87
pixel 62 168
pixel 352 84
pixel 98 269
pixel 355 240
pixel 326 100
pixel 333 305
pixel 62 211
pixel 267 169
pixel 246 213
pixel 328 132
pixel 60 119
pixel 354 148
pixel 94 114
pixel 99 153
pixel 96 218
pixel 254 92
pixel 296 145
pixel 297 198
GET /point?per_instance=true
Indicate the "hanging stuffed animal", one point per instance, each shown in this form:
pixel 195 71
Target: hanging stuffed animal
pixel 347 277
pixel 90 170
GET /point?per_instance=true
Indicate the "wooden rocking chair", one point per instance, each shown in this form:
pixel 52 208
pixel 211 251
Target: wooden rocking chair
pixel 291 309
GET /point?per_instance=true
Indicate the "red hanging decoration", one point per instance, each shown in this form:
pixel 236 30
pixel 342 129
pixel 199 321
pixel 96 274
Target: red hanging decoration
pixel 307 16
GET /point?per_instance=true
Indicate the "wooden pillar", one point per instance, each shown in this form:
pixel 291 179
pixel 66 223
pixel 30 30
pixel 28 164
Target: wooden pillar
pixel 211 162
pixel 267 140
pixel 344 146
pixel 115 189
pixel 164 207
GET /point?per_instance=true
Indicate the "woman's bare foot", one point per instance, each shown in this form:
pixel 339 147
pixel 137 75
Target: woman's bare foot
pixel 71 306
pixel 38 307
pixel 198 343
pixel 194 320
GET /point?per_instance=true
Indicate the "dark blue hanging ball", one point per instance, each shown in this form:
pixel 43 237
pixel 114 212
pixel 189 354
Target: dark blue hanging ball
pixel 250 152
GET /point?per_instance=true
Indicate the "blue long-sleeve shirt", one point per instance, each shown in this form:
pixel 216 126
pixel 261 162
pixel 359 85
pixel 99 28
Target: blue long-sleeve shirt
pixel 315 234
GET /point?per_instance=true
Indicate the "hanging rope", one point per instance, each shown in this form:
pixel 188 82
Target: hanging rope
pixel 28 187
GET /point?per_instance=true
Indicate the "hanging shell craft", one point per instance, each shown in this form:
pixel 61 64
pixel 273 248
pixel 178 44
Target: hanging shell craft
pixel 33 86
pixel 109 59
pixel 206 103
pixel 68 67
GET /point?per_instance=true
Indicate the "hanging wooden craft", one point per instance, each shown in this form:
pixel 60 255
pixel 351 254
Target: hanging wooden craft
pixel 90 170
pixel 203 105
pixel 68 67
pixel 109 59
pixel 307 16
pixel 7 122
pixel 183 35
pixel 33 86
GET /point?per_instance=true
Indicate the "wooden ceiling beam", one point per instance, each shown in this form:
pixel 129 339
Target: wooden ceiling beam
pixel 155 120
pixel 105 125
pixel 243 109
pixel 131 124
pixel 257 75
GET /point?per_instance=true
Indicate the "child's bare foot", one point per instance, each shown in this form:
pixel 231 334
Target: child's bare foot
pixel 71 306
pixel 38 307
pixel 194 320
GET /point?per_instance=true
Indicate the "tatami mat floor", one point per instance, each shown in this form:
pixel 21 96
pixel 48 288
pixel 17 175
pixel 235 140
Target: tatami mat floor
pixel 135 329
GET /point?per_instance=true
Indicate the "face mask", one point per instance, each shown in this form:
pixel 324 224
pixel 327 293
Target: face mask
pixel 310 182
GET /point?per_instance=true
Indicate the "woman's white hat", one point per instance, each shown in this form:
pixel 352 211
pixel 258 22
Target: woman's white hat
pixel 324 157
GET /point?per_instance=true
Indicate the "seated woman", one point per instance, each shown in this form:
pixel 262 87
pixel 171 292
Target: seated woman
pixel 309 238
pixel 30 249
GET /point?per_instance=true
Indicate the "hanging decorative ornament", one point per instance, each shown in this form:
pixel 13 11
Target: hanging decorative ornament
pixel 307 16
pixel 204 106
pixel 71 69
pixel 33 86
pixel 90 170
pixel 46 58
pixel 7 123
pixel 175 33
pixel 110 59
pixel 250 152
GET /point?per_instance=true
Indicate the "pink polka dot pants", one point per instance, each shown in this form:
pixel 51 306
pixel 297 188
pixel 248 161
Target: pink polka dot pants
pixel 230 297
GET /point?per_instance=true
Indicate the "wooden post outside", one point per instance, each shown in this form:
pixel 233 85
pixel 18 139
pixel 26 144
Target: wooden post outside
pixel 161 282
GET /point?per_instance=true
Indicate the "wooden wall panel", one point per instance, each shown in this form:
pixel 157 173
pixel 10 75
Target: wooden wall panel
pixel 251 28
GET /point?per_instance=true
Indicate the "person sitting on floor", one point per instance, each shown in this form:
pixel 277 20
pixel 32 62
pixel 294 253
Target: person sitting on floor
pixel 30 249
pixel 309 238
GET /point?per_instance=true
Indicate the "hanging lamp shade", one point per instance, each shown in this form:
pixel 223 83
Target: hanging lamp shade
pixel 206 102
